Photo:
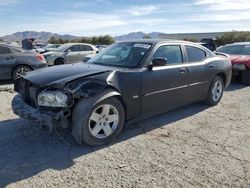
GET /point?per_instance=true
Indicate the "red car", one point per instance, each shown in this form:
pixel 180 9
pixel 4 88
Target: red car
pixel 239 54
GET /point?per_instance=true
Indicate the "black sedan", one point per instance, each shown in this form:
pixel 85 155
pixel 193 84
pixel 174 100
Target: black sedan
pixel 16 62
pixel 125 82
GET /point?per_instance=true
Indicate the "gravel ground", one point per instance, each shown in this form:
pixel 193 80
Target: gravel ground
pixel 194 146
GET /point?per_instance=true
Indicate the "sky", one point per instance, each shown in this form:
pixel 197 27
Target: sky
pixel 117 17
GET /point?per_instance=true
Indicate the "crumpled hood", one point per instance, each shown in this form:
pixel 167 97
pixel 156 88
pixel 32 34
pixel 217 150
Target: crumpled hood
pixel 240 59
pixel 62 74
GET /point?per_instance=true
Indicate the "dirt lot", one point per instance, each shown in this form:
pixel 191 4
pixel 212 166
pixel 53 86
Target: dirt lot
pixel 192 146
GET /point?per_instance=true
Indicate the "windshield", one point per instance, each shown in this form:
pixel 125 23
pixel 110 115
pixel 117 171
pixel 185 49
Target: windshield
pixel 52 46
pixel 126 54
pixel 236 50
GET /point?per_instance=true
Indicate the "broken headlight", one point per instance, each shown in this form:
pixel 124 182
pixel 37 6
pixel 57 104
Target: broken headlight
pixel 53 99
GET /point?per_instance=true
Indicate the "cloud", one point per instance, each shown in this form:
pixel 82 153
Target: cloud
pixel 75 23
pixel 142 10
pixel 225 4
pixel 4 3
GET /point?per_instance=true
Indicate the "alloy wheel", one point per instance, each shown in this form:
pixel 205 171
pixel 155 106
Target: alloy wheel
pixel 103 121
pixel 217 90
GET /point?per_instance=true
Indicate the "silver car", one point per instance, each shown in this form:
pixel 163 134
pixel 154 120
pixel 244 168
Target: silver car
pixel 69 53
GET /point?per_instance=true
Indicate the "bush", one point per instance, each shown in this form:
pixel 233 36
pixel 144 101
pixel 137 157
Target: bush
pixel 232 37
pixel 190 39
pixel 104 40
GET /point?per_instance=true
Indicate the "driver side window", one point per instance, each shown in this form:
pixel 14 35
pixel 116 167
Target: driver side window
pixel 172 53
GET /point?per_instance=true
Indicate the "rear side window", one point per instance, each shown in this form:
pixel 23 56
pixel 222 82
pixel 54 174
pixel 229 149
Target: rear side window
pixel 172 53
pixel 195 54
pixel 4 50
pixel 86 48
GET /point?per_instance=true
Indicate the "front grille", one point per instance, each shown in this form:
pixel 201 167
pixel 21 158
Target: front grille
pixel 28 91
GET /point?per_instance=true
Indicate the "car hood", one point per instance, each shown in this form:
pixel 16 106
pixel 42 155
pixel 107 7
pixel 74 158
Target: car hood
pixel 62 74
pixel 240 59
pixel 52 53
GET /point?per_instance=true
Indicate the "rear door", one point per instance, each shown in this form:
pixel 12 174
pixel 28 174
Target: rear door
pixel 199 71
pixel 85 50
pixel 74 55
pixel 166 86
pixel 7 61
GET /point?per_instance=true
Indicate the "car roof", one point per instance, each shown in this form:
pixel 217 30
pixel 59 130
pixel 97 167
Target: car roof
pixel 69 44
pixel 10 46
pixel 156 41
pixel 238 43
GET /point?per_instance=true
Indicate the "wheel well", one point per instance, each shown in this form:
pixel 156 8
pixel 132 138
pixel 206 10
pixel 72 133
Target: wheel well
pixel 223 76
pixel 59 58
pixel 119 97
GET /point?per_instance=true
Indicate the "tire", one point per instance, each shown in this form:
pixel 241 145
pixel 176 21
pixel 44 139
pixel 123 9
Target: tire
pixel 90 125
pixel 245 77
pixel 215 91
pixel 20 71
pixel 59 61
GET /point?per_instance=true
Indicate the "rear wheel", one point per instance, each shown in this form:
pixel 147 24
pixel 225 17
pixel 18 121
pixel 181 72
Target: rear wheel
pixel 215 91
pixel 245 77
pixel 20 71
pixel 97 123
pixel 59 62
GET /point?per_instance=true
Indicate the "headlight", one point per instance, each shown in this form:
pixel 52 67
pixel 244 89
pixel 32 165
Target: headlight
pixel 53 99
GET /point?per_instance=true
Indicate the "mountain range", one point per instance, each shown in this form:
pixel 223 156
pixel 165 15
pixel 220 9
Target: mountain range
pixel 45 36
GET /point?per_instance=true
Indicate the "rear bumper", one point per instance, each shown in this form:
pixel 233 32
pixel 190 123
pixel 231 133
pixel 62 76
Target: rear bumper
pixel 23 110
pixel 39 66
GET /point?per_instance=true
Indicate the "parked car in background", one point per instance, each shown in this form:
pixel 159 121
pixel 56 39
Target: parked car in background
pixel 16 62
pixel 69 53
pixel 101 47
pixel 239 54
pixel 127 81
pixel 50 47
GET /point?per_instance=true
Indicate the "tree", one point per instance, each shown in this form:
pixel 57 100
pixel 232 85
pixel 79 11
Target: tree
pixel 191 39
pixel 1 40
pixel 105 40
pixel 146 36
pixel 53 40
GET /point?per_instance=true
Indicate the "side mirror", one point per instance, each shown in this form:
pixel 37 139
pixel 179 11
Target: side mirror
pixel 157 62
pixel 68 50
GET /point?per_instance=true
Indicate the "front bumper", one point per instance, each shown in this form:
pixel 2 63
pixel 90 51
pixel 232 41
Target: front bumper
pixel 49 119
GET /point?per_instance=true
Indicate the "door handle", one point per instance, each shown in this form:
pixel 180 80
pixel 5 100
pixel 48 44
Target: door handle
pixel 182 71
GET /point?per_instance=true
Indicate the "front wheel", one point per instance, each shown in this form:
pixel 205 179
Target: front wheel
pixel 97 123
pixel 215 91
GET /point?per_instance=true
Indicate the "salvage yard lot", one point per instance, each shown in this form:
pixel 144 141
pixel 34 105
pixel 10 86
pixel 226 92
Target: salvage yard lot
pixel 191 146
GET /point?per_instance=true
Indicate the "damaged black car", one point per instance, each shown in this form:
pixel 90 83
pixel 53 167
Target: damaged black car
pixel 125 82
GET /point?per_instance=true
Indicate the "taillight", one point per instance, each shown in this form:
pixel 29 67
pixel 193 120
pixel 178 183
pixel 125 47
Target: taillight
pixel 40 58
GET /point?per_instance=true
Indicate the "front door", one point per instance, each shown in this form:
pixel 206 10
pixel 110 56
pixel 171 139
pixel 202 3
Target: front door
pixel 165 87
pixel 73 56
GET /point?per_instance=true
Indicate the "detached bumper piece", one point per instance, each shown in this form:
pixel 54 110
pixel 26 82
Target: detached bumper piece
pixel 25 111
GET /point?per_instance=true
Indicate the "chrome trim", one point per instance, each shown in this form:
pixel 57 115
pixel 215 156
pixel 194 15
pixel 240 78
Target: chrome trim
pixel 174 88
